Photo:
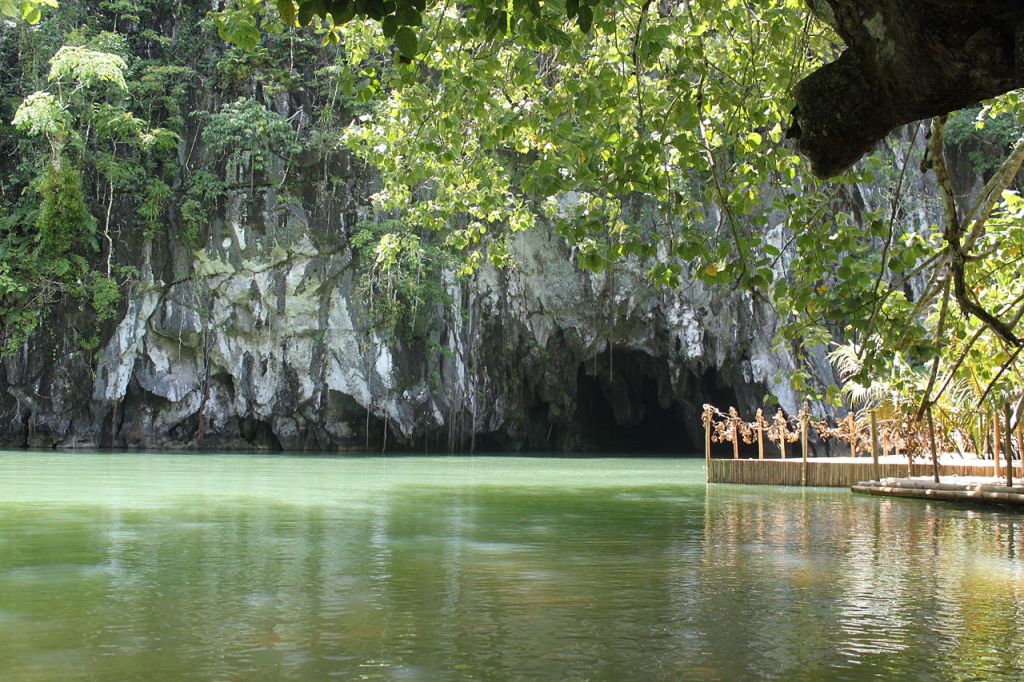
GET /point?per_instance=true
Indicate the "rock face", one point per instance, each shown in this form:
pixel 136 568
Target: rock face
pixel 259 338
pixel 263 344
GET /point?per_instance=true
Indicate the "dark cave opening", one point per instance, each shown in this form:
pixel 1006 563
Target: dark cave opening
pixel 711 387
pixel 259 434
pixel 625 405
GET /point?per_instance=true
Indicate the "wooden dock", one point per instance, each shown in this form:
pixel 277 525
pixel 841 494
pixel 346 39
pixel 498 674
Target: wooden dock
pixel 968 491
pixel 841 472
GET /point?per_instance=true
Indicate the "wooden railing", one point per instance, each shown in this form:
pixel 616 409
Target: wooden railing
pixel 862 431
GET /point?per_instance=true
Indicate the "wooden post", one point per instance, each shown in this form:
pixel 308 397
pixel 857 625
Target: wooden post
pixel 780 423
pixel 996 444
pixel 850 427
pixel 935 451
pixel 734 417
pixel 760 433
pixel 982 437
pixel 1009 452
pixel 1020 441
pixel 805 416
pixel 707 441
pixel 874 445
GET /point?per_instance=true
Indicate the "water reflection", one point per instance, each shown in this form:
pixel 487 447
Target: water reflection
pixel 859 588
pixel 287 568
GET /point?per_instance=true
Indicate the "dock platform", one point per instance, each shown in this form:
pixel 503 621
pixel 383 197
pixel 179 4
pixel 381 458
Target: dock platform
pixel 844 472
pixel 966 489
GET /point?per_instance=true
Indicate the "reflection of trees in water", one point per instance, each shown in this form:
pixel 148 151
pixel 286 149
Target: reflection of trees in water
pixel 823 580
pixel 479 579
pixel 615 583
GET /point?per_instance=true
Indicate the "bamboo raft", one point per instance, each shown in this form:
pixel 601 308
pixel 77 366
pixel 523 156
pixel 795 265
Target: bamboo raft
pixel 968 491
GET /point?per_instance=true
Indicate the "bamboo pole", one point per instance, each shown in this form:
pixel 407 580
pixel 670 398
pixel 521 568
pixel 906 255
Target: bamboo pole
pixel 996 444
pixel 734 418
pixel 982 437
pixel 1009 451
pixel 707 440
pixel 935 450
pixel 853 434
pixel 1020 441
pixel 780 423
pixel 951 495
pixel 760 433
pixel 804 418
pixel 874 445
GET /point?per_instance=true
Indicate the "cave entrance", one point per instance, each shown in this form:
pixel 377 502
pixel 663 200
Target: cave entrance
pixel 625 404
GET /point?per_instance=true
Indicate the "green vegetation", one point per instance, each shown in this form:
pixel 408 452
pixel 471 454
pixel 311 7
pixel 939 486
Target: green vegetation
pixel 402 277
pixel 986 139
pixel 50 235
pixel 646 135
pixel 622 135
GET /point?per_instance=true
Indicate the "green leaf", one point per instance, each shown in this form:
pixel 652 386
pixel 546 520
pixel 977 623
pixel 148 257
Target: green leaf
pixel 238 28
pixel 585 18
pixel 307 10
pixel 31 13
pixel 342 12
pixel 407 42
pixel 287 10
pixel 409 16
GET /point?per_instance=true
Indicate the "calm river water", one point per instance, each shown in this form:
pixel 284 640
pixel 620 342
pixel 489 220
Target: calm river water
pixel 242 567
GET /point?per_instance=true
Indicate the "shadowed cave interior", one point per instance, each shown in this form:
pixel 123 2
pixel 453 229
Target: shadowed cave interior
pixel 625 404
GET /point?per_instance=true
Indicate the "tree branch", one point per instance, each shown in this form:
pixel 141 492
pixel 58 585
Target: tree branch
pixel 979 213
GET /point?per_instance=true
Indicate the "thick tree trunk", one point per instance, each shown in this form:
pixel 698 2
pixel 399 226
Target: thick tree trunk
pixel 905 60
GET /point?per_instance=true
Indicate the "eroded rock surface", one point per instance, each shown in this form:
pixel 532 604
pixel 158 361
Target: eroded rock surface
pixel 260 340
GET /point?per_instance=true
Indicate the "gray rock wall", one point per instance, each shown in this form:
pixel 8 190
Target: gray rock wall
pixel 259 339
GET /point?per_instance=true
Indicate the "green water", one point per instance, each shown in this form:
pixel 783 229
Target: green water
pixel 220 567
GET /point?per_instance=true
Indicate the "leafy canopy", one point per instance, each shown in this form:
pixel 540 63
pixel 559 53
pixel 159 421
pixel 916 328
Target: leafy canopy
pixel 653 136
pixel 650 134
pixel 26 10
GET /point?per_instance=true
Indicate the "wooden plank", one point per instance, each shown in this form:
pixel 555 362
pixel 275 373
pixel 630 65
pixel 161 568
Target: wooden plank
pixel 966 495
pixel 825 474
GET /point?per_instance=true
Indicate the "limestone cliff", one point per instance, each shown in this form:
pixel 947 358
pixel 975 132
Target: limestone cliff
pixel 253 331
pixel 258 339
